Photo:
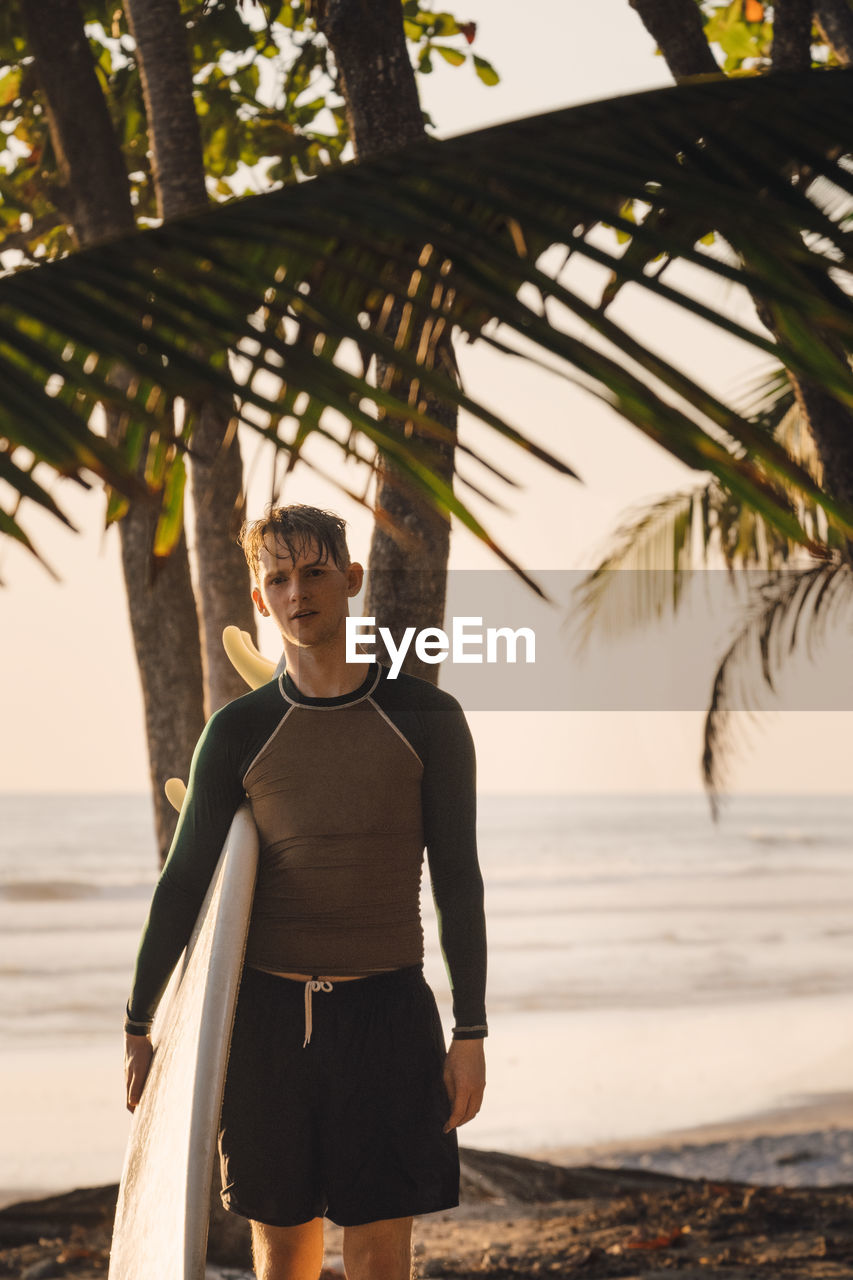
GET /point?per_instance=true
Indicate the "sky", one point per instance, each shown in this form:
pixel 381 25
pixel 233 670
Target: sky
pixel 69 689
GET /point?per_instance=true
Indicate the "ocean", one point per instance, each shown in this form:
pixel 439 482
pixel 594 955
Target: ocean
pixel 648 970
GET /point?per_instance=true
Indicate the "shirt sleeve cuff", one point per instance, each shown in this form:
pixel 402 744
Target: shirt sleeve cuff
pixel 470 1033
pixel 134 1028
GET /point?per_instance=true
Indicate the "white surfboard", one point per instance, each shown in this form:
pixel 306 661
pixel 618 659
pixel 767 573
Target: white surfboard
pixel 161 1222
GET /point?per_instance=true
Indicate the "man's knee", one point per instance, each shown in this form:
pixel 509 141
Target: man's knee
pixel 288 1253
pixel 379 1250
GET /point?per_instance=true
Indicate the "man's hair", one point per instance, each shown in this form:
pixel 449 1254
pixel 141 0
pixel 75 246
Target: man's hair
pixel 296 527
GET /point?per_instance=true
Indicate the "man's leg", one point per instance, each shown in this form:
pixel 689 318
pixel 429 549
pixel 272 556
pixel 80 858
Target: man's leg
pixel 379 1250
pixel 288 1253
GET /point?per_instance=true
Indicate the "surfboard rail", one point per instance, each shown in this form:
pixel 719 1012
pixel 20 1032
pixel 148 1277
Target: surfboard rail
pixel 162 1214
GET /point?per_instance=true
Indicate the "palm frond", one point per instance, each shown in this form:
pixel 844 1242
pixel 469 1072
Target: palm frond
pixel 766 397
pixel 660 548
pixel 780 610
pixel 794 435
pixel 665 540
pixel 641 578
pixel 386 258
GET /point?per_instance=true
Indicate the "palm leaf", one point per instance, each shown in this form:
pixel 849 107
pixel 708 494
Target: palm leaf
pixel 297 280
pixel 781 609
pixel 641 577
pixel 658 548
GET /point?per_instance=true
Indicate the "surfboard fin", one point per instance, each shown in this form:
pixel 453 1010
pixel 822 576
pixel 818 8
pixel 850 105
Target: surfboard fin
pixel 245 658
pixel 255 670
pixel 175 790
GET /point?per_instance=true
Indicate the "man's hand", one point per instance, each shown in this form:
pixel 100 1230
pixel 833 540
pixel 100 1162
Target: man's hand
pixel 465 1080
pixel 138 1051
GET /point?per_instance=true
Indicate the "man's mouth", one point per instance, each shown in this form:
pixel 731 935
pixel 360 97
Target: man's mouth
pixel 306 613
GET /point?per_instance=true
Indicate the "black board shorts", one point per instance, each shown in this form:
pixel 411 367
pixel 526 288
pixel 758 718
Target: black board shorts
pixel 348 1126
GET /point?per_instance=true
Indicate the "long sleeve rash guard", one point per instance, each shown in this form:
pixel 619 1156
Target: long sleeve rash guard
pixel 345 792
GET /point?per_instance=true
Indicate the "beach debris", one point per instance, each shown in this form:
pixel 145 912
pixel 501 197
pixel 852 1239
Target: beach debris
pixel 664 1241
pixel 79 1247
pixel 797 1157
pixel 42 1270
pixel 604 1224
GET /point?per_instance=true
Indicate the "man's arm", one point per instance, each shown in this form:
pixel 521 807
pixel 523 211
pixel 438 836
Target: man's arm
pixel 449 808
pixel 213 794
pixel 464 1080
pixel 138 1052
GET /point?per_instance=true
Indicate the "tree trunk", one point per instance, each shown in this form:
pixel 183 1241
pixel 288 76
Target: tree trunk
pixel 376 77
pixel 162 608
pixel 831 422
pixel 215 467
pixel 222 575
pixel 165 632
pixel 407 578
pixel 676 26
pixel 836 20
pixel 792 35
pixel 173 132
pixel 89 160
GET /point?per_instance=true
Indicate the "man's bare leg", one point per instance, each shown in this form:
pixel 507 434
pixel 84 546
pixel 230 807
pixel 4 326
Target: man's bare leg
pixel 288 1253
pixel 379 1250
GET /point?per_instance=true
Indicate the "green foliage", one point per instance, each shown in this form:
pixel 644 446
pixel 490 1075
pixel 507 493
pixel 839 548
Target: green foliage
pixel 296 280
pixel 424 29
pixel 265 95
pixel 745 45
pixel 485 71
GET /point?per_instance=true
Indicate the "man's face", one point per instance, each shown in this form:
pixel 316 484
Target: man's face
pixel 308 598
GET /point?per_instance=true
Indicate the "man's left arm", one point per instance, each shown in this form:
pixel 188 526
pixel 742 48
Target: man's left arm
pixel 464 1080
pixel 449 807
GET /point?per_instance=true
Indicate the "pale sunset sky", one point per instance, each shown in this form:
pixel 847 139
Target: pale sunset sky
pixel 68 683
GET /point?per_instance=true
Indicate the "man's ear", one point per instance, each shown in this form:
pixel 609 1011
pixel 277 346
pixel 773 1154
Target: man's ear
pixel 259 603
pixel 355 577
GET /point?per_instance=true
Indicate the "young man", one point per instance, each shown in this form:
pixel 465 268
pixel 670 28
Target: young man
pixel 340 1100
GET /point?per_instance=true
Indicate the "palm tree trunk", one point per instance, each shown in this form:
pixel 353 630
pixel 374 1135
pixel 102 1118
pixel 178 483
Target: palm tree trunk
pixel 166 75
pixel 792 35
pixel 215 467
pixel 222 576
pixel 81 131
pixel 375 74
pixel 407 577
pixel 162 607
pixel 676 26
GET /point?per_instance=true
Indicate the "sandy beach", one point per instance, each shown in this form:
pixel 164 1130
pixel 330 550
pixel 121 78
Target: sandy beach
pixel 765 1196
pixel 799 1146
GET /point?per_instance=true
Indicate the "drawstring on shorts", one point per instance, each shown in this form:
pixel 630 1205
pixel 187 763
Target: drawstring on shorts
pixel 312 985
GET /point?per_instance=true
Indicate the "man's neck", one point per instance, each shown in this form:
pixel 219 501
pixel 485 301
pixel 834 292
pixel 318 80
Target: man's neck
pixel 321 673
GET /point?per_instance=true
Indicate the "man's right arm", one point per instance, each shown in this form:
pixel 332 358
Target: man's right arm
pixel 214 793
pixel 138 1052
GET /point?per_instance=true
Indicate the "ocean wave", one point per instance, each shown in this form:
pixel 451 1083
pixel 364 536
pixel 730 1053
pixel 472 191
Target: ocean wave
pixel 99 968
pixel 68 890
pixel 785 836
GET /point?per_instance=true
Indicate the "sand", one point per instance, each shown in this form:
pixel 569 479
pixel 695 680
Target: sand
pixel 630 1209
pixel 806 1145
